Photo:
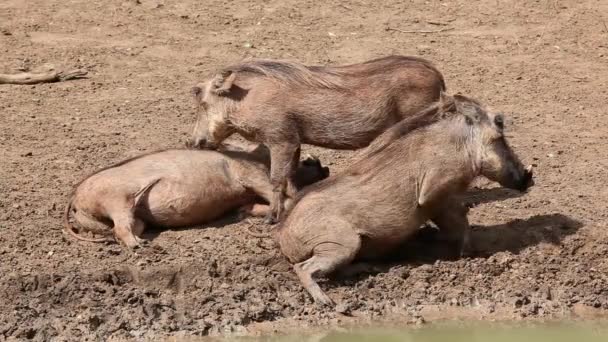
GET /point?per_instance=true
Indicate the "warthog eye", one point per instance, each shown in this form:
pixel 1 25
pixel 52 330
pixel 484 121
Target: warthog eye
pixel 499 121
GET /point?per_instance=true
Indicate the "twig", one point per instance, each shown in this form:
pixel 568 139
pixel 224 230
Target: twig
pixel 580 78
pixel 438 23
pixel 44 77
pixel 419 31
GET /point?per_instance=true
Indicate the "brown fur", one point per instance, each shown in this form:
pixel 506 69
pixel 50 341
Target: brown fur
pixel 415 176
pixel 160 188
pixel 286 104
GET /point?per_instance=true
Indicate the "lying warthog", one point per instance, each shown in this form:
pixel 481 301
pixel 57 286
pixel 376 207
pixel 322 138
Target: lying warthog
pixel 176 188
pixel 410 174
pixel 284 104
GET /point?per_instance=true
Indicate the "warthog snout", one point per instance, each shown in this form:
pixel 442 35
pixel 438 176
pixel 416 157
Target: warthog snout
pixel 526 180
pixel 504 166
pixel 325 172
pixel 195 143
pixel 190 143
pixel 200 143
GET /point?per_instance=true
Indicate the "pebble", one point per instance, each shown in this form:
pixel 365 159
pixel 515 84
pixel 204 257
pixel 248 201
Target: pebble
pixel 343 308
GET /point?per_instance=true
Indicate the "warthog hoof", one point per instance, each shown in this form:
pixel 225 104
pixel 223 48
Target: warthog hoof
pixel 269 219
pixel 323 300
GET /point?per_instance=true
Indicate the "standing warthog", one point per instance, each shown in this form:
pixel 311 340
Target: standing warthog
pixel 176 188
pixel 410 174
pixel 284 104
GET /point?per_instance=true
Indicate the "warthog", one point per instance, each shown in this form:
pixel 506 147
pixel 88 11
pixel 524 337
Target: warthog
pixel 176 188
pixel 412 173
pixel 284 104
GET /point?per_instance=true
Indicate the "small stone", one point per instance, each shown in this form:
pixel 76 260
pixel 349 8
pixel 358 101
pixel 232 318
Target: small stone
pixel 403 273
pixel 50 253
pixel 248 45
pixel 547 294
pixel 343 308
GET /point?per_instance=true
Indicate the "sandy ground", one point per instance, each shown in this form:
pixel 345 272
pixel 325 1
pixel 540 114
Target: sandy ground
pixel 539 256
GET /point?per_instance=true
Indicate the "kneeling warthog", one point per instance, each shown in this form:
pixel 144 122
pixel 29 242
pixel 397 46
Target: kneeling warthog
pixel 284 104
pixel 176 188
pixel 410 174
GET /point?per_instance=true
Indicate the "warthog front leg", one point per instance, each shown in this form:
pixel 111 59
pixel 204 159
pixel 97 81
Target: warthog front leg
pixel 126 229
pixel 254 210
pixel 454 227
pixel 282 170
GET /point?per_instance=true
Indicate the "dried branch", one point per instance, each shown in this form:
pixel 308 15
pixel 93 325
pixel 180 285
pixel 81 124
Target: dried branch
pixel 438 23
pixel 419 31
pixel 43 77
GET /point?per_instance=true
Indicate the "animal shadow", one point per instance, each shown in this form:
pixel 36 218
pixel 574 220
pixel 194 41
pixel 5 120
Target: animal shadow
pixel 476 196
pixel 425 247
pixel 232 217
pixel 513 236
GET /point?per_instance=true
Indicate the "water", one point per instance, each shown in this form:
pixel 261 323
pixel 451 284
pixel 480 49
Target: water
pixel 478 333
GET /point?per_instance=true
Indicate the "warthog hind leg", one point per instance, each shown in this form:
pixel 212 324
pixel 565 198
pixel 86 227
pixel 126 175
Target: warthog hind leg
pixel 327 258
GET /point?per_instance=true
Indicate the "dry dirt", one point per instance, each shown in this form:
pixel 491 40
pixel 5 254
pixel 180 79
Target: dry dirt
pixel 539 256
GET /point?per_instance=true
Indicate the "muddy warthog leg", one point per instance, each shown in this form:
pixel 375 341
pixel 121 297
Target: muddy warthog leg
pixel 282 169
pixel 256 181
pixel 327 258
pixel 125 227
pixel 291 187
pixel 454 227
pixel 138 229
pixel 255 210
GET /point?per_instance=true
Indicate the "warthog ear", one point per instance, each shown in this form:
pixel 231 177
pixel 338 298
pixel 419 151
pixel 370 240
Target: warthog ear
pixel 311 160
pixel 197 92
pixel 468 120
pixel 222 83
pixel 444 97
pixel 499 121
pixel 312 156
pixel 447 103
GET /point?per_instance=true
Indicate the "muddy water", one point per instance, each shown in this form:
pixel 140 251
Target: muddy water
pixel 582 332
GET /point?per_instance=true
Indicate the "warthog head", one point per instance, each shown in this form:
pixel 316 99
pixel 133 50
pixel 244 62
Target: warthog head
pixel 310 171
pixel 214 106
pixel 485 141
